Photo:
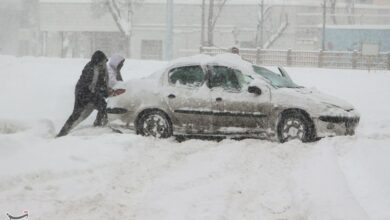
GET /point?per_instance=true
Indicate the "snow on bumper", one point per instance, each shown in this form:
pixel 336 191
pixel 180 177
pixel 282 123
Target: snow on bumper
pixel 337 125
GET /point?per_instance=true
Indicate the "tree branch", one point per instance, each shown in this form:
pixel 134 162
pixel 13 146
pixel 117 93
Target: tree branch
pixel 218 13
pixel 115 6
pixel 114 11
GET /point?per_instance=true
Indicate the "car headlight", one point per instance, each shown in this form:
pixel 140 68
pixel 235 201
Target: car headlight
pixel 335 111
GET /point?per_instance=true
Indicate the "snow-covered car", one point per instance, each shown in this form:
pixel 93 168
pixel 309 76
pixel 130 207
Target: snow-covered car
pixel 229 97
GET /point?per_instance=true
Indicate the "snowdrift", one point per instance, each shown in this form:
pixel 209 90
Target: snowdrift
pixel 96 174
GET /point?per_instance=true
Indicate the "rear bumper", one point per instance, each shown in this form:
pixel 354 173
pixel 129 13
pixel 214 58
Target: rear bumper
pixel 336 125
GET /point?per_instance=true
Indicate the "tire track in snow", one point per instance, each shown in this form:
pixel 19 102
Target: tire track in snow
pixel 265 184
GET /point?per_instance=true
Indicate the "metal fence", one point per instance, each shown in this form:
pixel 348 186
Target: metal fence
pixel 323 59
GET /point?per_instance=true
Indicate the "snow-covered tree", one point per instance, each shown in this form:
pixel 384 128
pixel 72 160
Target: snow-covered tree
pixel 122 12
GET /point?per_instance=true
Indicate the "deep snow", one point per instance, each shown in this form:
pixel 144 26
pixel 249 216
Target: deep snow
pixel 96 174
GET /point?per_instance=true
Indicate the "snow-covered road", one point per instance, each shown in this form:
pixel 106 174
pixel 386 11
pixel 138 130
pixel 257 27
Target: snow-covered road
pixel 96 174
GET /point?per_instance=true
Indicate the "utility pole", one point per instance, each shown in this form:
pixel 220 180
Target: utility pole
pixel 168 53
pixel 323 24
pixel 203 23
pixel 260 25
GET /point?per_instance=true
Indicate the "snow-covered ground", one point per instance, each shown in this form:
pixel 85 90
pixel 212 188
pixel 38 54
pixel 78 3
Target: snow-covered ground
pixel 96 174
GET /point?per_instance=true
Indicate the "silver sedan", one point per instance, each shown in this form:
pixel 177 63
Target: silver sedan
pixel 225 96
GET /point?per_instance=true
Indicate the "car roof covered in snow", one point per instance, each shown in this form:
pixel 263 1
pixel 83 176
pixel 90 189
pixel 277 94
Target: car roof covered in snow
pixel 225 59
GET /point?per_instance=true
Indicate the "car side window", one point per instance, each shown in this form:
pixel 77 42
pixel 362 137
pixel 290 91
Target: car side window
pixel 187 75
pixel 225 77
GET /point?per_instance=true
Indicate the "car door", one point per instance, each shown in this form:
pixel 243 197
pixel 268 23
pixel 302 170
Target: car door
pixel 189 100
pixel 236 111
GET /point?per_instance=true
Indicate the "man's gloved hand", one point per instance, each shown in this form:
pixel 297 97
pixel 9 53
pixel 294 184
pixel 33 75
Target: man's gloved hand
pixel 111 92
pixel 115 92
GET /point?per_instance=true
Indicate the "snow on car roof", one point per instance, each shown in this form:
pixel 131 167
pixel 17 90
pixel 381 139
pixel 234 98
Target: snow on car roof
pixel 225 59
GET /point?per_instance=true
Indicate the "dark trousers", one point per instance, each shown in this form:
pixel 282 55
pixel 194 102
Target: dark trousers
pixel 83 107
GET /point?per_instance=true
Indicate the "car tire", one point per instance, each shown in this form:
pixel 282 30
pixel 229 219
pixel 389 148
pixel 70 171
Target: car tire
pixel 295 126
pixel 154 123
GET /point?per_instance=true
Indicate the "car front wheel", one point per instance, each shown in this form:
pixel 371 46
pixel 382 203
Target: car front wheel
pixel 295 126
pixel 154 123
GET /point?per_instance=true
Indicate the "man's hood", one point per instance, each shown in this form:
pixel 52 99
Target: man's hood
pixel 115 60
pixel 98 56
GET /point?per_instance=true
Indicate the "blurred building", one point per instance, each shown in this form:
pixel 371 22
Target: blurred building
pixel 381 2
pixel 19 27
pixel 10 13
pixel 352 37
pixel 73 28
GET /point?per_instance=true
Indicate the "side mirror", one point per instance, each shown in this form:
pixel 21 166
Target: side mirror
pixel 255 90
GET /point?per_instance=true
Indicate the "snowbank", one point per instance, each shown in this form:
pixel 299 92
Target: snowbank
pixel 96 174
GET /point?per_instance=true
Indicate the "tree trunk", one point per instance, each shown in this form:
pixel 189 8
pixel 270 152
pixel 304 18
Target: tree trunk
pixel 333 11
pixel 128 46
pixel 210 28
pixel 323 25
pixel 259 39
pixel 203 23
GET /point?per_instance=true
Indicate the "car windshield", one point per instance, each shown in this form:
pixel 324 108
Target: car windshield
pixel 276 80
pixel 244 80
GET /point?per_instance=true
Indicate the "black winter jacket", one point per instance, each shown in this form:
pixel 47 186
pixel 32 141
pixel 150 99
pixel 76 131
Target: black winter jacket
pixel 88 88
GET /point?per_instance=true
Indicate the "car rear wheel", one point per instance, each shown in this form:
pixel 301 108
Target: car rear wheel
pixel 154 123
pixel 295 126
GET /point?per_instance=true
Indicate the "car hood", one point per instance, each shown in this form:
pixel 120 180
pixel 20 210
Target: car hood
pixel 304 97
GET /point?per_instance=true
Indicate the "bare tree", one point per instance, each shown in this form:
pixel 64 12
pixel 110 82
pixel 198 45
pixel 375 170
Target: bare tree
pixel 122 12
pixel 215 9
pixel 263 15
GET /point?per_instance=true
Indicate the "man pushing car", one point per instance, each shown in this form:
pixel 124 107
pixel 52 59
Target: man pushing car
pixel 96 83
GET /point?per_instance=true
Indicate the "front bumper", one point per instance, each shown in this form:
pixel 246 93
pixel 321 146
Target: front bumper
pixel 336 125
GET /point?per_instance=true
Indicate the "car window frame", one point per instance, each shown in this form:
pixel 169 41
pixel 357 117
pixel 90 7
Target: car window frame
pixel 170 83
pixel 209 69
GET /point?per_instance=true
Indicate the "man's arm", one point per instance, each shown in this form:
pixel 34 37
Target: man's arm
pixel 92 86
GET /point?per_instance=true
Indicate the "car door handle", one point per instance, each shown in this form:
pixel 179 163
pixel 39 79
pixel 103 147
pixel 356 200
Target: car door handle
pixel 218 99
pixel 171 96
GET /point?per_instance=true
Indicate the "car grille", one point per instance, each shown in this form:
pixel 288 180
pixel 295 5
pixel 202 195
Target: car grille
pixel 339 119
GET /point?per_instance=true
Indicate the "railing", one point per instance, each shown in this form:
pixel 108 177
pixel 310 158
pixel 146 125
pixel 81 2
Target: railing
pixel 323 59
